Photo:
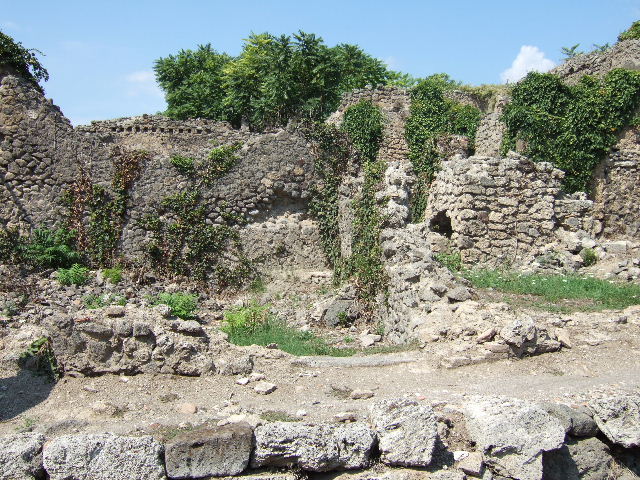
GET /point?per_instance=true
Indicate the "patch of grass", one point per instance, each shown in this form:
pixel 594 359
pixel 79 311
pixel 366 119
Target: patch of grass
pixel 40 358
pixel 598 294
pixel 450 260
pixel 75 275
pixel 112 275
pixel 183 305
pixel 255 325
pixel 278 416
pixel 589 257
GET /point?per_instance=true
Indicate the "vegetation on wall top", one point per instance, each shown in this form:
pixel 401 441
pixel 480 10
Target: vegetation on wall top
pixel 573 127
pixel 633 32
pixel 22 60
pixel 274 79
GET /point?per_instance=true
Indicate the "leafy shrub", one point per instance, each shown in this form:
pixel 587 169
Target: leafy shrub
pixel 589 256
pixel 182 304
pixel 573 127
pixel 631 33
pixel 75 275
pixel 10 243
pixel 112 275
pixel 219 161
pixel 50 248
pixel 22 60
pixel 40 358
pixel 185 165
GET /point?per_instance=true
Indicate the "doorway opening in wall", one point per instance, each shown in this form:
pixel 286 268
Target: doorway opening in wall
pixel 441 223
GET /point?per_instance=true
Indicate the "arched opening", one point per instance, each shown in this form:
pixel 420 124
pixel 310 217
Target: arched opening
pixel 441 223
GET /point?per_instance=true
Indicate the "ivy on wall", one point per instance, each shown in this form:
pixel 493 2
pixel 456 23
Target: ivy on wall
pixel 363 123
pixel 573 127
pixel 431 116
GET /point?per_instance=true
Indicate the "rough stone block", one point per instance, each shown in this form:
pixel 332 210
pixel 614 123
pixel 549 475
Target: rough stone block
pixel 21 456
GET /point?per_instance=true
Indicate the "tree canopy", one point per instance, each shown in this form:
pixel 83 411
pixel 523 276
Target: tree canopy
pixel 274 79
pixel 22 60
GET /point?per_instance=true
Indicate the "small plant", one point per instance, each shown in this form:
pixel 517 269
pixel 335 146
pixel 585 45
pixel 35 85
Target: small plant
pixel 278 416
pixel 112 275
pixel 100 301
pixel 185 165
pixel 632 32
pixel 571 52
pixel 182 304
pixel 348 339
pixel 76 275
pixel 219 161
pixel 40 358
pixel 589 256
pixel 28 424
pixel 257 285
pixel 450 260
pixel 343 319
pixel 50 249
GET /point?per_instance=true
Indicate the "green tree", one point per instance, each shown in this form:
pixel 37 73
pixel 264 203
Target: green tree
pixel 22 60
pixel 192 80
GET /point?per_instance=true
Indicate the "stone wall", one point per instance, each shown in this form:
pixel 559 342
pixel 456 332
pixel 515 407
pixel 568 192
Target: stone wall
pixel 493 210
pixel 43 156
pixel 622 55
pixel 497 437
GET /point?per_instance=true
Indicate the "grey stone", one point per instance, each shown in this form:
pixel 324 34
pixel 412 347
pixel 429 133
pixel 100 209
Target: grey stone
pixel 103 457
pixel 576 422
pixel 618 417
pixel 407 432
pixel 265 388
pixel 316 448
pixel 579 459
pixel 521 335
pixel 21 456
pixel 459 294
pixel 513 434
pixel 472 464
pixel 234 364
pixel 212 452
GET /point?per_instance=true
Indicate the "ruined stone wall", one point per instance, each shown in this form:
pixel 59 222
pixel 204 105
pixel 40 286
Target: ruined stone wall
pixel 37 152
pixel 493 211
pixel 43 155
pixel 622 55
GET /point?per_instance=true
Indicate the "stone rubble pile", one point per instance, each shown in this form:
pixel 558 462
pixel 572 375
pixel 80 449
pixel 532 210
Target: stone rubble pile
pixel 513 439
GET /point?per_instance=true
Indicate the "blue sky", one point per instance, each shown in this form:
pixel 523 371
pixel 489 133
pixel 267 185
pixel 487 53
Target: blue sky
pixel 100 54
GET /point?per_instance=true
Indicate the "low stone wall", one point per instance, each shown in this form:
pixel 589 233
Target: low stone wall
pixel 500 436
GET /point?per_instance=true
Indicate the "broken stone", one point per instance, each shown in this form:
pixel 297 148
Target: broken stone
pixel 618 417
pixel 21 456
pixel 472 464
pixel 265 388
pixel 187 408
pixel 361 394
pixel 345 417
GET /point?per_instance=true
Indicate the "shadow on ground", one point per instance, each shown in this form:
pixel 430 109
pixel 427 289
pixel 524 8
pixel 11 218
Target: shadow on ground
pixel 21 392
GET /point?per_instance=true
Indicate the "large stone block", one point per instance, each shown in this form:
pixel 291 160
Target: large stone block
pixel 316 448
pixel 407 432
pixel 21 456
pixel 103 457
pixel 212 452
pixel 619 418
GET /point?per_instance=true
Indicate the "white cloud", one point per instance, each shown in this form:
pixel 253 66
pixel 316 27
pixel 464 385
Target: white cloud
pixel 529 59
pixel 143 83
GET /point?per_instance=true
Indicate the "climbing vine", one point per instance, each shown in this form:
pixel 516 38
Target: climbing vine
pixel 433 115
pixel 106 208
pixel 217 164
pixel 184 244
pixel 573 127
pixel 363 123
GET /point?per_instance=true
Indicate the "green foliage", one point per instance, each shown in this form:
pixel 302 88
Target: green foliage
pixel 22 60
pixel 573 127
pixel 332 152
pixel 274 79
pixel 601 48
pixel 185 165
pixel 450 260
pixel 219 161
pixel 571 52
pixel 363 124
pixel 278 416
pixel 40 358
pixel 554 288
pixel 631 33
pixel 183 305
pixel 184 244
pixel 49 248
pixel 589 257
pixel 433 115
pixel 75 275
pixel 112 275
pixel 99 301
pixel 193 82
pixel 255 325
